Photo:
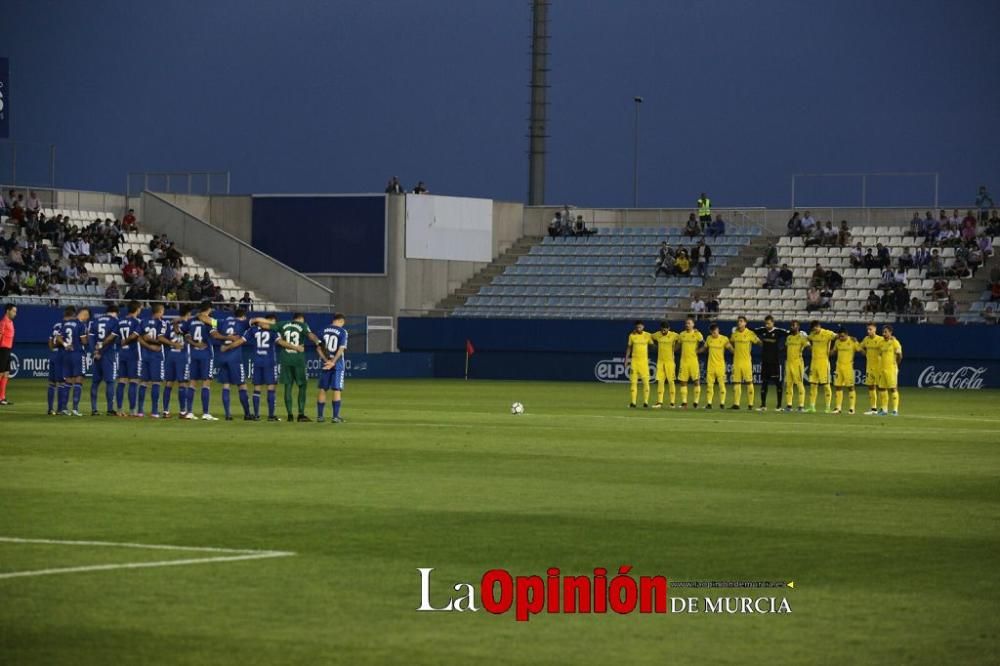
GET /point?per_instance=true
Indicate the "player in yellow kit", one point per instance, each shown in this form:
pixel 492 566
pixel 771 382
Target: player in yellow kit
pixel 891 353
pixel 871 344
pixel 689 373
pixel 845 347
pixel 819 364
pixel 795 344
pixel 667 342
pixel 715 367
pixel 741 339
pixel 638 352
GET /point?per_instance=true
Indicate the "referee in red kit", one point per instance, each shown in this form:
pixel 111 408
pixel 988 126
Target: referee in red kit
pixel 6 344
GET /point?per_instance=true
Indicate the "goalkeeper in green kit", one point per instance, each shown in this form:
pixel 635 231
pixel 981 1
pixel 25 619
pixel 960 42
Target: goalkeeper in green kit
pixel 293 363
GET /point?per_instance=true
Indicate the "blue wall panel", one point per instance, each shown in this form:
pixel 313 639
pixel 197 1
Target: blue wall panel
pixel 317 234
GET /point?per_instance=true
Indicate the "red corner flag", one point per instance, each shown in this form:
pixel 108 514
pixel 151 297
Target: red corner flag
pixel 469 351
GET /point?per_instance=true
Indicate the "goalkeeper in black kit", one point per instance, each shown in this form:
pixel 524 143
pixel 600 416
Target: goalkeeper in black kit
pixel 772 346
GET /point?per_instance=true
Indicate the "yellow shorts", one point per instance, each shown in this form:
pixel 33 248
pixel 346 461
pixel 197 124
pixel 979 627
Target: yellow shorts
pixel 819 374
pixel 666 372
pixel 640 370
pixel 888 379
pixel 742 373
pixel 793 372
pixel 871 377
pixel 690 372
pixel 715 373
pixel 844 377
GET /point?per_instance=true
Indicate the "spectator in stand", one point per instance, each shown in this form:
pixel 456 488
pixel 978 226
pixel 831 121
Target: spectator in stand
pixel 785 277
pixel 818 276
pixel 808 223
pixel 939 290
pixel 916 225
pixel 17 210
pixel 995 290
pixel 698 307
pixel 580 228
pixel 857 256
pixel 933 227
pixel 949 309
pixel 825 298
pixel 905 260
pixel 246 302
pixel 984 202
pixel 975 257
pixel 703 257
pixel 901 298
pixel 968 231
pixel 4 206
pixel 795 224
pixel 33 207
pixel 716 228
pixel 915 310
pixel 887 280
pixel 130 271
pixel 869 261
pixel 993 224
pixel 899 276
pixel 771 281
pixel 664 261
pixel 888 302
pixel 834 280
pixel 884 255
pixel 771 256
pixel 712 307
pixel 813 237
pixel 15 260
pixel 958 269
pixel 393 186
pixel 948 236
pixel 112 294
pixel 922 256
pixel 420 188
pixel 955 218
pixel 935 266
pixel 129 223
pixel 555 225
pixel 813 299
pixel 989 314
pixel 682 263
pixel 691 227
pixel 206 284
pixel 873 303
pixel 844 234
pixel 830 235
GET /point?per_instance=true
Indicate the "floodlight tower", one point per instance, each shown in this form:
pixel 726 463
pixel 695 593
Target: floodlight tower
pixel 539 104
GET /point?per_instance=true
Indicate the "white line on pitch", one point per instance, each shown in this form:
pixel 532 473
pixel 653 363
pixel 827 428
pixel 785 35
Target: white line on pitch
pixel 143 565
pixel 145 546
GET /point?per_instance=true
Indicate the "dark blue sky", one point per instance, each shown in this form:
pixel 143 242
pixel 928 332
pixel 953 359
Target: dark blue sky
pixel 328 96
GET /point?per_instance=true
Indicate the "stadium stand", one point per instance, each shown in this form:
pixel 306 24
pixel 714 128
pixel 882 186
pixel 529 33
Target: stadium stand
pixel 63 280
pixel 608 274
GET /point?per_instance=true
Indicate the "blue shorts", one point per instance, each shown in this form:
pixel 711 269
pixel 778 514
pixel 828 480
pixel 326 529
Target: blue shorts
pixel 232 370
pixel 202 368
pixel 265 374
pixel 72 365
pixel 106 368
pixel 56 368
pixel 178 367
pixel 128 364
pixel 332 379
pixel 151 366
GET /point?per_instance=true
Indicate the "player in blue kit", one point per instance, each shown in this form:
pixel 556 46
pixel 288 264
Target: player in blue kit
pixel 105 330
pixel 75 340
pixel 56 358
pixel 128 359
pixel 265 342
pixel 229 361
pixel 154 335
pixel 201 333
pixel 177 372
pixel 331 378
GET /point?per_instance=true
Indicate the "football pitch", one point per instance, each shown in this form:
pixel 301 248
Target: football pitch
pixel 300 543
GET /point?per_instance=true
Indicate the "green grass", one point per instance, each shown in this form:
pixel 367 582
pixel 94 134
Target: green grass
pixel 890 528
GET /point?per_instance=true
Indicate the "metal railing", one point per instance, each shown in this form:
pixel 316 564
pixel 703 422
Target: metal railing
pixel 177 182
pixel 74 200
pixel 864 178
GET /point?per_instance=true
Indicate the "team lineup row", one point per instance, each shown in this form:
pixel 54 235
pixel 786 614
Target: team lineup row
pixel 135 357
pixel 883 354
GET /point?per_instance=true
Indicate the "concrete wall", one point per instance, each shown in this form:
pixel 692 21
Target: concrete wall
pixel 230 213
pixel 418 284
pixel 238 259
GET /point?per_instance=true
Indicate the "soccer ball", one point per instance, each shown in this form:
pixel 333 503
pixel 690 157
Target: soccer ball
pixel 517 408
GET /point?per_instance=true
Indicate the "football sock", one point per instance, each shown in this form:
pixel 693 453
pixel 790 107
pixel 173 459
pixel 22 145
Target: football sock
pixel 142 397
pixel 272 400
pixel 320 406
pixel 672 391
pixel 256 403
pixel 737 394
pixel 155 395
pixel 288 398
pixel 245 402
pixel 77 393
pixel 109 393
pixel 840 398
pixel 750 396
pixel 802 393
pixel 302 398
pixel 93 396
pixel 120 395
pixel 697 393
pixel 895 400
pixel 336 409
pixel 852 398
pixel 684 393
pixel 167 390
pixel 133 390
pixel 206 395
pixel 225 401
pixel 51 395
pixel 813 393
pixel 873 397
pixel 827 395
